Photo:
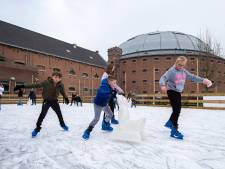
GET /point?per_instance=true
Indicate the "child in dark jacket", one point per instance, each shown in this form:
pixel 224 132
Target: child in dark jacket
pixel 101 103
pixel 51 89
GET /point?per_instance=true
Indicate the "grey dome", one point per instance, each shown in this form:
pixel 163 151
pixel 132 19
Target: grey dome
pixel 162 43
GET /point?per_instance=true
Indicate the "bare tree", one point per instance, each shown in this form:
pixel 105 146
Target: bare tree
pixel 210 49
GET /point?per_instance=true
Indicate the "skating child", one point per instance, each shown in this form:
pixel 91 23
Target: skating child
pixel 1 93
pixel 101 104
pixel 51 89
pixel 172 83
pixel 110 70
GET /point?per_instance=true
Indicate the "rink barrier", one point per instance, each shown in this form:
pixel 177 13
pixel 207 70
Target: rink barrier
pixel 188 100
pixel 13 99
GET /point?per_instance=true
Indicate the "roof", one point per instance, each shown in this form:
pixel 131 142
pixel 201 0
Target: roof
pixel 163 43
pixel 16 36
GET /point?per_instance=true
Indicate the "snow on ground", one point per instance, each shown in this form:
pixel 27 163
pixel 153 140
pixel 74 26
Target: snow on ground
pixel 202 147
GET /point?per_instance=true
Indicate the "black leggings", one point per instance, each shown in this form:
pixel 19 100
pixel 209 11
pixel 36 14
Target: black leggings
pixel 175 101
pixel 112 105
pixel 45 106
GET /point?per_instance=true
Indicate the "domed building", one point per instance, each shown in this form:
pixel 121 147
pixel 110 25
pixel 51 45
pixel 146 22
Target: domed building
pixel 142 60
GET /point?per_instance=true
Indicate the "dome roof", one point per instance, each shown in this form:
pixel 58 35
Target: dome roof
pixel 162 43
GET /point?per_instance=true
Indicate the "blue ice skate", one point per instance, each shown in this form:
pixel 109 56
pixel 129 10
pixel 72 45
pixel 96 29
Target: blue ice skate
pixel 169 124
pixel 106 126
pixel 114 121
pixel 65 128
pixel 34 133
pixel 86 134
pixel 176 134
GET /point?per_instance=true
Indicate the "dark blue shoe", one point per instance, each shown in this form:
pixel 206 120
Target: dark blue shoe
pixel 86 134
pixel 169 124
pixel 65 128
pixel 106 126
pixel 176 134
pixel 114 121
pixel 34 133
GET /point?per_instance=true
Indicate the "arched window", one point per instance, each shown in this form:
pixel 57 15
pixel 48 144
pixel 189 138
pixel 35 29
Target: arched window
pixel 41 67
pixel 56 69
pixel 72 72
pixel 71 89
pixel 96 75
pixel 84 75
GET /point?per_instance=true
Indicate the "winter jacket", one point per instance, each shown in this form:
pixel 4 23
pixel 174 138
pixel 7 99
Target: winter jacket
pixel 103 94
pixel 175 79
pixel 50 90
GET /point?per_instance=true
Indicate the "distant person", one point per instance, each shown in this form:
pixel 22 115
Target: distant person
pixel 20 96
pixel 172 83
pixel 1 93
pixel 73 98
pixel 78 100
pixel 51 89
pixel 32 97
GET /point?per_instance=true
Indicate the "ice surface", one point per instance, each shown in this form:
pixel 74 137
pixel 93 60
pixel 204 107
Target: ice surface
pixel 203 146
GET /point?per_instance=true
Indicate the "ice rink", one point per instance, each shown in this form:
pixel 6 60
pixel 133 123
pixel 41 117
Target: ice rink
pixel 203 146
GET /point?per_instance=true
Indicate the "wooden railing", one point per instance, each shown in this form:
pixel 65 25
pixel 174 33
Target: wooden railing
pixel 188 100
pixel 13 99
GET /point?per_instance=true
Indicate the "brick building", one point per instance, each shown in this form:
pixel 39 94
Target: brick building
pixel 142 60
pixel 30 57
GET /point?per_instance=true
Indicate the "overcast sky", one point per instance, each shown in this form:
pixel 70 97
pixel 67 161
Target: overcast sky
pixel 101 24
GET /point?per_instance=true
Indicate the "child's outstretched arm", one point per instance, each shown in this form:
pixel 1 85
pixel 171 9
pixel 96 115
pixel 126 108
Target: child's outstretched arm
pixel 28 86
pixel 198 79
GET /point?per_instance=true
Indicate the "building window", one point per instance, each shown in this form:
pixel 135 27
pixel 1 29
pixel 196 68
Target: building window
pixel 192 58
pixel 156 58
pixel 85 89
pixel 156 70
pixel 19 62
pixel 133 81
pixel 124 62
pixel 20 83
pixel 156 81
pixel 212 61
pixel 41 68
pixel 71 89
pixel 72 72
pixel 111 62
pixel 144 60
pixel 56 69
pixel 168 58
pixel 218 62
pixel 84 75
pixel 133 71
pixel 2 59
pixel 192 70
pixel 144 70
pixel 134 60
pixel 96 75
pixel 145 81
pixel 144 92
pixel 5 84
